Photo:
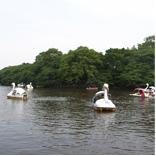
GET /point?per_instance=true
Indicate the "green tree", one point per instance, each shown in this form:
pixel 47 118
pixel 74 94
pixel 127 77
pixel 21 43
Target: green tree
pixel 79 65
pixel 118 67
pixel 140 68
pixel 114 63
pixel 149 42
pixel 46 67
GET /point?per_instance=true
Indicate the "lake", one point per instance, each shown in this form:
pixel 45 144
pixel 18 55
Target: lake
pixel 62 122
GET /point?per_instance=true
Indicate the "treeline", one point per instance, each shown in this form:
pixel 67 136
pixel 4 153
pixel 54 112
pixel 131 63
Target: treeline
pixel 132 67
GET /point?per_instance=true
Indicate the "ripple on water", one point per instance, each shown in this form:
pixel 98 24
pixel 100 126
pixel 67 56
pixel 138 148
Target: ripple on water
pixel 62 121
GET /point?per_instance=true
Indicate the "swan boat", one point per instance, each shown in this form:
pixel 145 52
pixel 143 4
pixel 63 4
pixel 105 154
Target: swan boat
pixel 144 93
pixel 152 91
pixel 101 102
pixel 20 85
pixel 17 93
pixel 29 86
pixel 139 92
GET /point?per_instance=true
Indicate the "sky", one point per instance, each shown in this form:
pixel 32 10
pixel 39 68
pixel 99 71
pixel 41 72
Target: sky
pixel 28 27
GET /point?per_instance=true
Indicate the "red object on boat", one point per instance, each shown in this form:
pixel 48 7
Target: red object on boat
pixel 96 88
pixel 139 92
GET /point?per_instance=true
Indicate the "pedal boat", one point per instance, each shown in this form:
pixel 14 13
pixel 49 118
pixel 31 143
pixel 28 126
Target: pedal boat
pixel 29 86
pixel 139 92
pixel 20 85
pixel 152 91
pixel 17 93
pixel 101 102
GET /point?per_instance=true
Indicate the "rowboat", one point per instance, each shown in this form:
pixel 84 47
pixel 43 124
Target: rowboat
pixel 90 88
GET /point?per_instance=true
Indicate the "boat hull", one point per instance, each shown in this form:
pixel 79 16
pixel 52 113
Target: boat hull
pixel 11 97
pixel 17 97
pixel 29 87
pixel 104 109
pixel 92 88
pixel 103 105
pixel 134 95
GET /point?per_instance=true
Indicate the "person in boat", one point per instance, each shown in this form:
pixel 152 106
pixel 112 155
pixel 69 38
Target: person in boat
pixel 102 96
pixel 98 97
pixel 14 92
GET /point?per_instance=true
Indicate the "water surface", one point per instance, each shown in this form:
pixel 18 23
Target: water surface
pixel 62 121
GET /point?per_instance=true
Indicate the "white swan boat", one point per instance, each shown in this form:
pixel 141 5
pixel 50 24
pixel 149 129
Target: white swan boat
pixel 101 101
pixel 152 91
pixel 17 93
pixel 29 86
pixel 20 85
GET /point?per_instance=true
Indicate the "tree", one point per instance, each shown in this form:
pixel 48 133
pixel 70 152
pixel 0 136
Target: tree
pixel 79 65
pixel 46 67
pixel 139 69
pixel 114 63
pixel 149 42
pixel 131 67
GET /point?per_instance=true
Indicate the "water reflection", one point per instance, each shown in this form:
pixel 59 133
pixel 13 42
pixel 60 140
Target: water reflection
pixel 104 120
pixel 137 99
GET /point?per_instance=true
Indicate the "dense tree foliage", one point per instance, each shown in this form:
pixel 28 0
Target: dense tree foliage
pixel 85 67
pixel 46 68
pixel 80 65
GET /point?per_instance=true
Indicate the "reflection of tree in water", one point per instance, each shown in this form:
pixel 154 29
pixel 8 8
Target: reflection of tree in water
pixel 62 113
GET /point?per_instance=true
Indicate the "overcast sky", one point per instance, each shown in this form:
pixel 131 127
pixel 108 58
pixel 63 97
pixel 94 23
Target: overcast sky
pixel 28 27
